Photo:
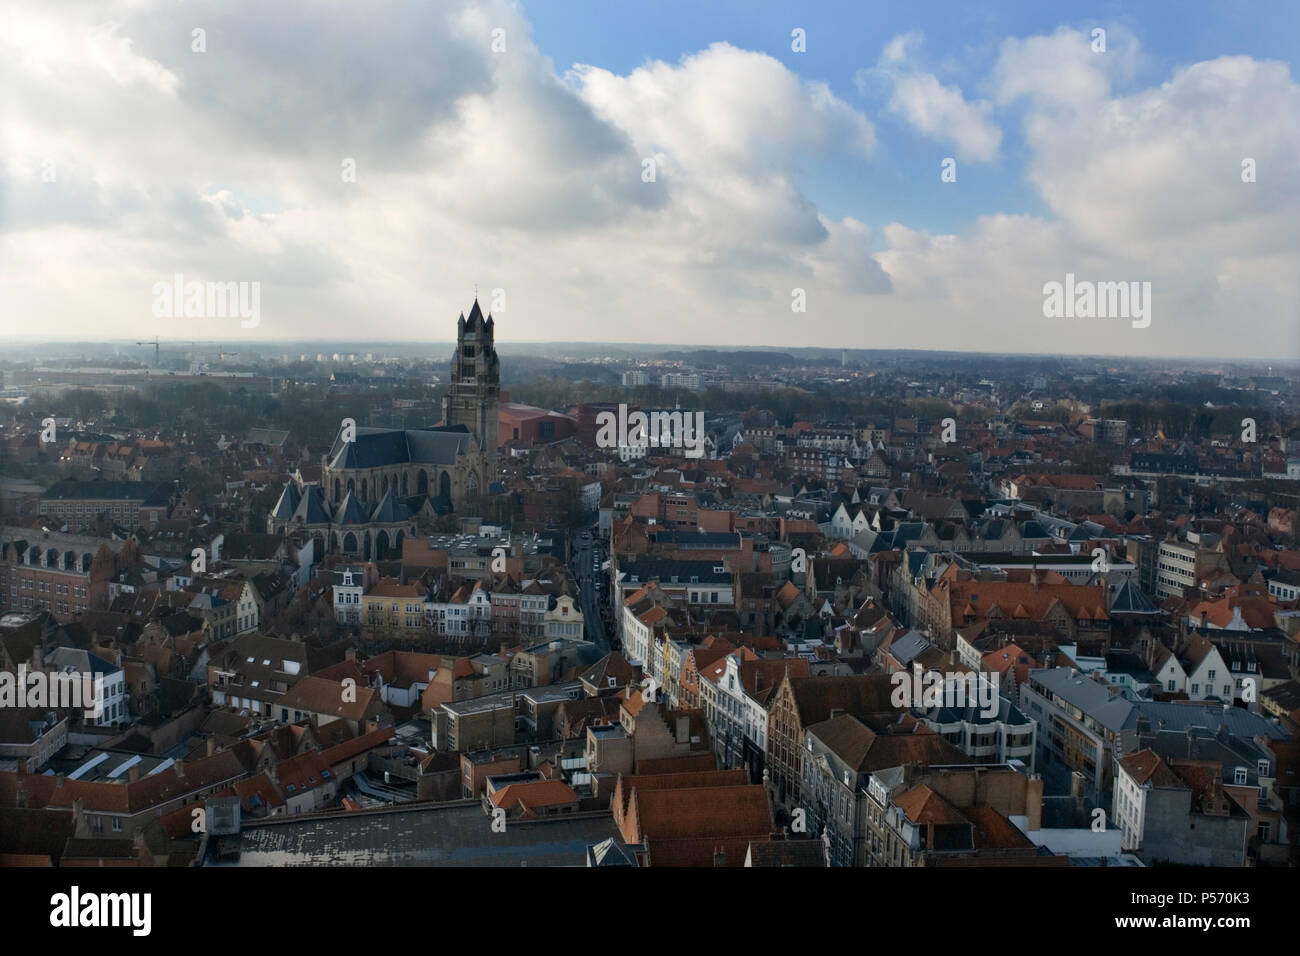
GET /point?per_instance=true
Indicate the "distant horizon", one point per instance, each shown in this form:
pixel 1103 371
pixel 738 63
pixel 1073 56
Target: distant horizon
pixel 505 347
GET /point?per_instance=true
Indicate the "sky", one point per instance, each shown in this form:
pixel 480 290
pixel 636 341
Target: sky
pixel 885 175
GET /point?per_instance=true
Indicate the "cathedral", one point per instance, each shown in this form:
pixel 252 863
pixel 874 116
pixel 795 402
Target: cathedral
pixel 376 483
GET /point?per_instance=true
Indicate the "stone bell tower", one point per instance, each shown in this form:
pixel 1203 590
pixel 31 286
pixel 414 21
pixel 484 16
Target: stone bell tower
pixel 471 398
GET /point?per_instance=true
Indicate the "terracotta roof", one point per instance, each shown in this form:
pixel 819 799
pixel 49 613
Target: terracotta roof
pixel 389 588
pixel 534 795
pixel 674 780
pixel 403 668
pixel 676 765
pixel 1024 600
pixel 359 745
pixel 860 695
pixel 678 824
pixel 315 695
pixel 923 805
pixel 993 831
pixel 303 772
pixel 125 798
pixel 1146 765
pixel 864 750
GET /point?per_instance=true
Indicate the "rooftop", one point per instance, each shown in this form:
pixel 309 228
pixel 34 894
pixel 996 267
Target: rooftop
pixel 449 834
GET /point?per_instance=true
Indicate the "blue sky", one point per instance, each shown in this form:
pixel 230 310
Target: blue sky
pixel 960 43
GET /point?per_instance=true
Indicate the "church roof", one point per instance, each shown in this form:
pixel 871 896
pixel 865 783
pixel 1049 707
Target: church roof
pixel 388 510
pixel 350 511
pixel 475 318
pixel 380 447
pixel 288 503
pixel 311 509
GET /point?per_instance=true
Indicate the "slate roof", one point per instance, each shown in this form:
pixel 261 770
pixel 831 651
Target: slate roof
pixel 312 508
pixel 147 493
pixel 786 853
pixel 1128 598
pixel 388 510
pixel 288 502
pixel 350 511
pixel 379 447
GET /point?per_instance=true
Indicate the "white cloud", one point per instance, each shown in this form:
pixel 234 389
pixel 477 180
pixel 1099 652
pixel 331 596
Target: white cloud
pixel 936 111
pixel 499 169
pixel 1143 186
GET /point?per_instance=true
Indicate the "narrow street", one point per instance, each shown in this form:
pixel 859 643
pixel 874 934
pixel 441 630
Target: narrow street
pixel 593 586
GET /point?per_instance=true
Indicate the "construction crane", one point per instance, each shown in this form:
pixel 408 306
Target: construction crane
pixel 157 349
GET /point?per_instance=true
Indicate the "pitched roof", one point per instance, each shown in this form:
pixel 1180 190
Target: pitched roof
pixel 864 751
pixel 679 825
pixel 1146 766
pixel 861 695
pixel 316 695
pixel 534 795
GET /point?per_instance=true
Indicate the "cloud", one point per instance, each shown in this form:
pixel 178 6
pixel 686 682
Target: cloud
pixel 501 169
pixel 472 165
pixel 936 111
pixel 1140 186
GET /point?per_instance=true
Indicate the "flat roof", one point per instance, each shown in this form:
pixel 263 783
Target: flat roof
pixel 448 834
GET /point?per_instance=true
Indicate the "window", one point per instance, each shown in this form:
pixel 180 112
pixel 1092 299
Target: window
pixel 1239 776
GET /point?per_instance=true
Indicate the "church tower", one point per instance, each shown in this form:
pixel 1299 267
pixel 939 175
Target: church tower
pixel 471 398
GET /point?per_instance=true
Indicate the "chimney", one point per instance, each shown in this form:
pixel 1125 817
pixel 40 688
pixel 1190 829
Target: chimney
pixel 133 774
pixel 350 654
pixel 212 745
pixel 180 768
pixel 58 780
pixel 80 825
pixel 1034 803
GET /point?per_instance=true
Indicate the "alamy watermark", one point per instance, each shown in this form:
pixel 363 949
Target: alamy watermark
pixel 75 909
pixel 208 300
pixel 955 690
pixel 676 429
pixel 73 690
pixel 1085 299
